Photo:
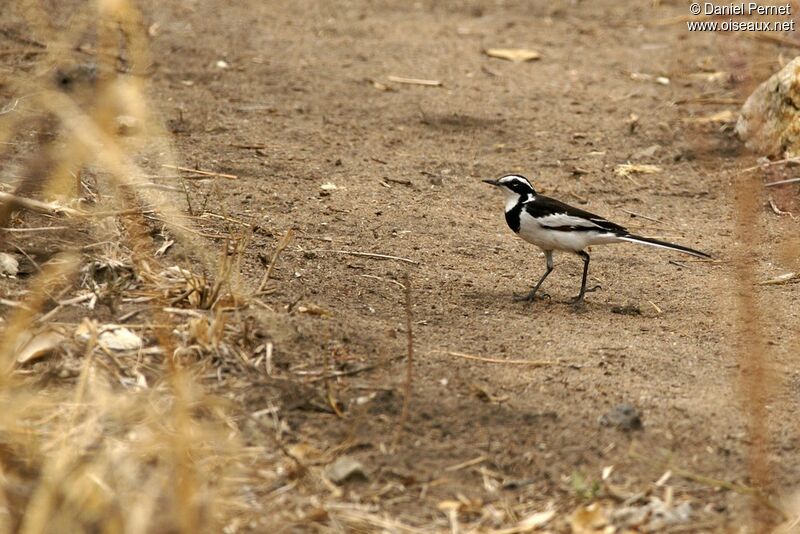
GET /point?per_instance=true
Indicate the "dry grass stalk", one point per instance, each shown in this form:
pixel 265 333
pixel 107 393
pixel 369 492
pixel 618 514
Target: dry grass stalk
pixel 367 255
pixel 282 244
pixel 118 451
pixel 755 381
pixel 401 422
pixel 535 363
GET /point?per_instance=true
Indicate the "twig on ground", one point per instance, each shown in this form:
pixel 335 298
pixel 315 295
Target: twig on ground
pixel 69 302
pixel 202 172
pixel 770 164
pixel 22 39
pixel 782 182
pixel 777 211
pixel 250 146
pixel 268 358
pixel 188 198
pixel 348 372
pixel 32 230
pixel 282 244
pixel 13 304
pixel 158 187
pixel 207 214
pixel 390 280
pixel 398 181
pixel 710 100
pixel 414 81
pixel 634 214
pixel 655 307
pixel 468 463
pixel 782 279
pixel 38 206
pixel 401 422
pixel 539 363
pixel 30 259
pixel 329 396
pixel 366 255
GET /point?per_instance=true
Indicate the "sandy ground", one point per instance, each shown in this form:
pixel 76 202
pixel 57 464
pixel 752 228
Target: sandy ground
pixel 305 100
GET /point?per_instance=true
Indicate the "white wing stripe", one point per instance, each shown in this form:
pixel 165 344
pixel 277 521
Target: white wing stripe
pixel 562 219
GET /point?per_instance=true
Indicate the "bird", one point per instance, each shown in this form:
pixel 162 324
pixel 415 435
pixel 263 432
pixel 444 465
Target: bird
pixel 553 225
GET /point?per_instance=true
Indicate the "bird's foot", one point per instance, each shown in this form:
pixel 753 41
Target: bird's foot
pixel 530 297
pixel 578 301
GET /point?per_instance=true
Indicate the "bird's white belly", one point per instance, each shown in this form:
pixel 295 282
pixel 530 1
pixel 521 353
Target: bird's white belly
pixel 571 241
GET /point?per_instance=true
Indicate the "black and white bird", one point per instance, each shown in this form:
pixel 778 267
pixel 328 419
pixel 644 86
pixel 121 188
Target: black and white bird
pixel 552 225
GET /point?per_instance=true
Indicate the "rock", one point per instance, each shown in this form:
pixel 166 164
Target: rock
pixel 345 468
pixel 623 416
pixel 769 122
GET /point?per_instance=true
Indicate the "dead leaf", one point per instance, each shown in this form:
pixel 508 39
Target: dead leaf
pixel 588 519
pixel 120 339
pixel 38 346
pixel 313 309
pixel 516 55
pixel 626 169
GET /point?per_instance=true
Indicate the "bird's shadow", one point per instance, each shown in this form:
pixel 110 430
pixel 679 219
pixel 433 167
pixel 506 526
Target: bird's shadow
pixel 497 300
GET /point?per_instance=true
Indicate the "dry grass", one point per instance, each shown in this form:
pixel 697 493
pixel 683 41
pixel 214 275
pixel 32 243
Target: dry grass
pixel 97 436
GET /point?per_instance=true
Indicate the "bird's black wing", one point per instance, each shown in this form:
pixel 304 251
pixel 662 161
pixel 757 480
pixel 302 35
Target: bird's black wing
pixel 554 214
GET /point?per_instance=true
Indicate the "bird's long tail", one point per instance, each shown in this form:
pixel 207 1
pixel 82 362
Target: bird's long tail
pixel 663 244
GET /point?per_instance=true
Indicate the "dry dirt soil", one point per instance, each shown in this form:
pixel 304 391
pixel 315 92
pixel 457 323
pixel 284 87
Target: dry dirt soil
pixel 305 98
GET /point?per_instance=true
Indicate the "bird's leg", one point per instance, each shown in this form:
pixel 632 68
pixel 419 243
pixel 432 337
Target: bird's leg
pixel 578 301
pixel 548 256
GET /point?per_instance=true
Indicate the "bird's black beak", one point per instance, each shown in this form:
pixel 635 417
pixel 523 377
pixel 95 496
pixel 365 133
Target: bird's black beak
pixel 490 182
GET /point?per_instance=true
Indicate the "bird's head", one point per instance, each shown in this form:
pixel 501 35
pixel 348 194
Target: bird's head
pixel 515 186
